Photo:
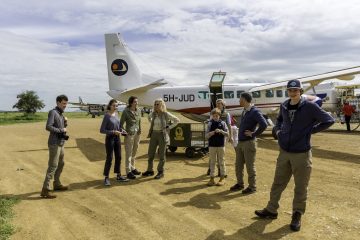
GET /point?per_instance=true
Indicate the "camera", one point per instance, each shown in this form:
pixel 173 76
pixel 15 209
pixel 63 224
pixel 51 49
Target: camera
pixel 63 136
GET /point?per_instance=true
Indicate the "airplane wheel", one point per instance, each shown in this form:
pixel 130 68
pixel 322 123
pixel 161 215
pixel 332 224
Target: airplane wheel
pixel 205 151
pixel 190 152
pixel 93 116
pixel 172 148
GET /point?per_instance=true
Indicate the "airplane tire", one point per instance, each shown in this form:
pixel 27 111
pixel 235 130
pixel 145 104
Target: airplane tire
pixel 172 148
pixel 190 152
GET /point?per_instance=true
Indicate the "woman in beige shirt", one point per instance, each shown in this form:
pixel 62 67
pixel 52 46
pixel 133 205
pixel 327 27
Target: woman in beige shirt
pixel 161 123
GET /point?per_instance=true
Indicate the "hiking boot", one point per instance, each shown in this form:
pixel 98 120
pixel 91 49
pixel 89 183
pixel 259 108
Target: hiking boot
pixel 120 178
pixel 266 214
pixel 236 187
pixel 61 188
pixel 248 191
pixel 130 175
pixel 148 173
pixel 107 181
pixel 221 181
pixel 136 172
pixel 45 193
pixel 159 175
pixel 295 224
pixel 211 182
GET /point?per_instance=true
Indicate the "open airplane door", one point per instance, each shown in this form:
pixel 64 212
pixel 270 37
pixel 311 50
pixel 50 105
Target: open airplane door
pixel 216 87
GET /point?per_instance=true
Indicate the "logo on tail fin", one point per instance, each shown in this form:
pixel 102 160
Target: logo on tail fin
pixel 119 67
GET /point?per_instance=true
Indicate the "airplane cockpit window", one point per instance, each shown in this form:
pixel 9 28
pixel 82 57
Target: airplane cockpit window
pixel 238 93
pixel 203 95
pixel 228 94
pixel 279 93
pixel 269 93
pixel 256 94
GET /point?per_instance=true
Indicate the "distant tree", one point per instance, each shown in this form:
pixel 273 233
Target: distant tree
pixel 29 102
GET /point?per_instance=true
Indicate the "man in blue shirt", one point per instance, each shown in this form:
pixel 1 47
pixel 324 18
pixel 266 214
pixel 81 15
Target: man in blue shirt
pixel 246 148
pixel 297 120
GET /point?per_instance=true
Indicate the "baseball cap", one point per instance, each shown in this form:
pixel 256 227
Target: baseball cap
pixel 294 84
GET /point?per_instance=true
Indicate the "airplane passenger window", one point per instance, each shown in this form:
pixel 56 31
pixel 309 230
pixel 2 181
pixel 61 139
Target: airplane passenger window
pixel 256 94
pixel 228 94
pixel 238 93
pixel 203 95
pixel 279 93
pixel 286 93
pixel 269 93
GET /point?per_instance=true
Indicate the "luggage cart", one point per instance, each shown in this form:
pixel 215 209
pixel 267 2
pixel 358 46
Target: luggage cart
pixel 191 136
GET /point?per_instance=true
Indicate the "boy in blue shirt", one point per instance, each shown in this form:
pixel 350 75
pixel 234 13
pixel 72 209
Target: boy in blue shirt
pixel 216 133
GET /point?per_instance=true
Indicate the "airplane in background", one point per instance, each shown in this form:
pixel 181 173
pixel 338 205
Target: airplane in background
pixel 196 102
pixel 92 109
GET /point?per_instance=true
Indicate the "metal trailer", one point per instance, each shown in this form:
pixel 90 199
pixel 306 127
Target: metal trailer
pixel 191 136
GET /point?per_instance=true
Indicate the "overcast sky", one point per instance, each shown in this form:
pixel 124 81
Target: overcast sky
pixel 55 47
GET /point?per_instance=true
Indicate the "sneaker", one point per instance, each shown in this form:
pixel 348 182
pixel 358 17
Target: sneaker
pixel 120 178
pixel 130 175
pixel 219 175
pixel 295 224
pixel 45 193
pixel 236 187
pixel 159 175
pixel 248 191
pixel 107 181
pixel 148 173
pixel 61 188
pixel 136 172
pixel 266 214
pixel 211 182
pixel 221 181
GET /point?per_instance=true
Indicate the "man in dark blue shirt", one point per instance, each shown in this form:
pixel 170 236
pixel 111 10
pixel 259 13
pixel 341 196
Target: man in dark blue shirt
pixel 246 148
pixel 297 120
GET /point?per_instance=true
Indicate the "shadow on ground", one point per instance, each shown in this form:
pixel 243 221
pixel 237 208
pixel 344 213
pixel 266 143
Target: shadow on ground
pixel 254 231
pixel 93 150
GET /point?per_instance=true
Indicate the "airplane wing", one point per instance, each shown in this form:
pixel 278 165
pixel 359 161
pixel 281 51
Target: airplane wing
pixel 137 90
pixel 309 82
pixel 76 104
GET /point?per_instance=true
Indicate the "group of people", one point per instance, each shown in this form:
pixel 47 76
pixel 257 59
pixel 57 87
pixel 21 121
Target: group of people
pixel 298 119
pixel 129 125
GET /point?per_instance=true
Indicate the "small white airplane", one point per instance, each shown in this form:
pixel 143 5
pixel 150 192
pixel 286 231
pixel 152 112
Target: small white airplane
pixel 195 102
pixel 92 109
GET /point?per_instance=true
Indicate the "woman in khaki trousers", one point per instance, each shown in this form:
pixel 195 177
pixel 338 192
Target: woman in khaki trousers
pixel 161 123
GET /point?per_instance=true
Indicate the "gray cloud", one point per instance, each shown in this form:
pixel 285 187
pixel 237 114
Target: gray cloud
pixel 47 43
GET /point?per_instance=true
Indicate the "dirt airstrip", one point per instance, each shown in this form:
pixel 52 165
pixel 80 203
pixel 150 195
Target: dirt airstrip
pixel 179 206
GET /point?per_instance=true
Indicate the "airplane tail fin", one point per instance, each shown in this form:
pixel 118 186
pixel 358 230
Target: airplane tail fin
pixel 80 100
pixel 123 73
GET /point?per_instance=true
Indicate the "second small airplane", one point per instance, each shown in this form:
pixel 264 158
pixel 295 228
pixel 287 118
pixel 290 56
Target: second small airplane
pixel 93 109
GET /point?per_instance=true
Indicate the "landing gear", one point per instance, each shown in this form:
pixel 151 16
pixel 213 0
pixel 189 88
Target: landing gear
pixel 172 148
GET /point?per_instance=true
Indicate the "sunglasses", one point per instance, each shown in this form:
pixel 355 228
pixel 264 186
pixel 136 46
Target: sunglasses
pixel 157 104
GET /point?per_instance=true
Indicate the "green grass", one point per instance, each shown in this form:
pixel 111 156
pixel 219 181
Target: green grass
pixel 6 213
pixel 17 117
